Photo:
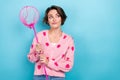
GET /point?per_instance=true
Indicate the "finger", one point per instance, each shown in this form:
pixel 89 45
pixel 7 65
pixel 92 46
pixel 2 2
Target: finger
pixel 42 55
pixel 42 59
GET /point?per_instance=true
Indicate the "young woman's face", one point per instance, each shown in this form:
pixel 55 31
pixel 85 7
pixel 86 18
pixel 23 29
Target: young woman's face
pixel 54 19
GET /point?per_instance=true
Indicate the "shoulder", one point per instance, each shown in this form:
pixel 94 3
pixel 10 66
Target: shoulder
pixel 68 36
pixel 43 32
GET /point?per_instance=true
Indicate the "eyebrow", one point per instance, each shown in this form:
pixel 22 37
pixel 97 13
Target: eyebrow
pixel 52 14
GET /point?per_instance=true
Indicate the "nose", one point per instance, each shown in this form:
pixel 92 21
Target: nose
pixel 54 18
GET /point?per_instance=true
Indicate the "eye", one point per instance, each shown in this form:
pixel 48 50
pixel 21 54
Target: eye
pixel 50 17
pixel 57 15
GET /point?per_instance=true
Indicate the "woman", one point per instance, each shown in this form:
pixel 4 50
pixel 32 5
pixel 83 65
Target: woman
pixel 54 54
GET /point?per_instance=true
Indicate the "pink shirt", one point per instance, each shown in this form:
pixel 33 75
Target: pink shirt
pixel 60 55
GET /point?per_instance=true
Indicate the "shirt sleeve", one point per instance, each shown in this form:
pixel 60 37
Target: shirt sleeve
pixel 32 55
pixel 65 62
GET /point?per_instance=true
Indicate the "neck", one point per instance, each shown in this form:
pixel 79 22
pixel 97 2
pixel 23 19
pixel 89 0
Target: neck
pixel 54 35
pixel 55 31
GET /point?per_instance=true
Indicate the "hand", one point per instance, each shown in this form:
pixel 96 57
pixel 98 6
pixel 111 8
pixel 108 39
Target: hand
pixel 39 48
pixel 43 59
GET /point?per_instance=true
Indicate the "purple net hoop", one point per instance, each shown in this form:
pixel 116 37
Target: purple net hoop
pixel 29 16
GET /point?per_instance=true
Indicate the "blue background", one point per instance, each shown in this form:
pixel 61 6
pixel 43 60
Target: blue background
pixel 94 25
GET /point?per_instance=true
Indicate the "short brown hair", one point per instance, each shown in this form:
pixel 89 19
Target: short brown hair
pixel 60 12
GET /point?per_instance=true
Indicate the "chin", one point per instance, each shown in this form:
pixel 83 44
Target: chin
pixel 55 26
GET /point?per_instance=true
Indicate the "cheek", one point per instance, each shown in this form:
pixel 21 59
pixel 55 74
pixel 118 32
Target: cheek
pixel 60 20
pixel 49 22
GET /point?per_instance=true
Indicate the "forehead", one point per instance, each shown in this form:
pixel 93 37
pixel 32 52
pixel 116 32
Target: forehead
pixel 53 11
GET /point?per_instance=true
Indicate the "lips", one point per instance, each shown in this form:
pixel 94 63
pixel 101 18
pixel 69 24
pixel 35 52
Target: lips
pixel 54 23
